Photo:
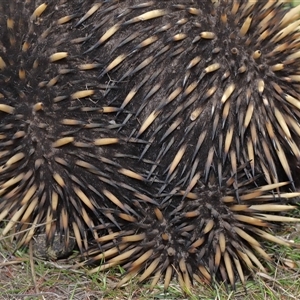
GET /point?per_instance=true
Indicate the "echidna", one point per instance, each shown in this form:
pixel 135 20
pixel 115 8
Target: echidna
pixel 61 166
pixel 97 96
pixel 208 85
pixel 210 234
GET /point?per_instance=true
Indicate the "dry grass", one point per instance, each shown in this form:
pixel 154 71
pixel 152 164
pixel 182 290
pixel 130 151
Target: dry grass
pixel 24 277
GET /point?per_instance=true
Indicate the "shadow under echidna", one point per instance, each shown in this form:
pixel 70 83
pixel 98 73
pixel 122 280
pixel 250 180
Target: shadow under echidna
pixel 162 135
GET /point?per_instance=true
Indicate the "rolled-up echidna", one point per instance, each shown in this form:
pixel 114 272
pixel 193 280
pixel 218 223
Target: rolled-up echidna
pixel 210 234
pixel 97 96
pixel 61 170
pixel 209 85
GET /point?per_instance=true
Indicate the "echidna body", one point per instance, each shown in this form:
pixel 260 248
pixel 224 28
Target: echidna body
pixel 209 235
pixel 208 85
pixel 61 170
pixel 98 98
